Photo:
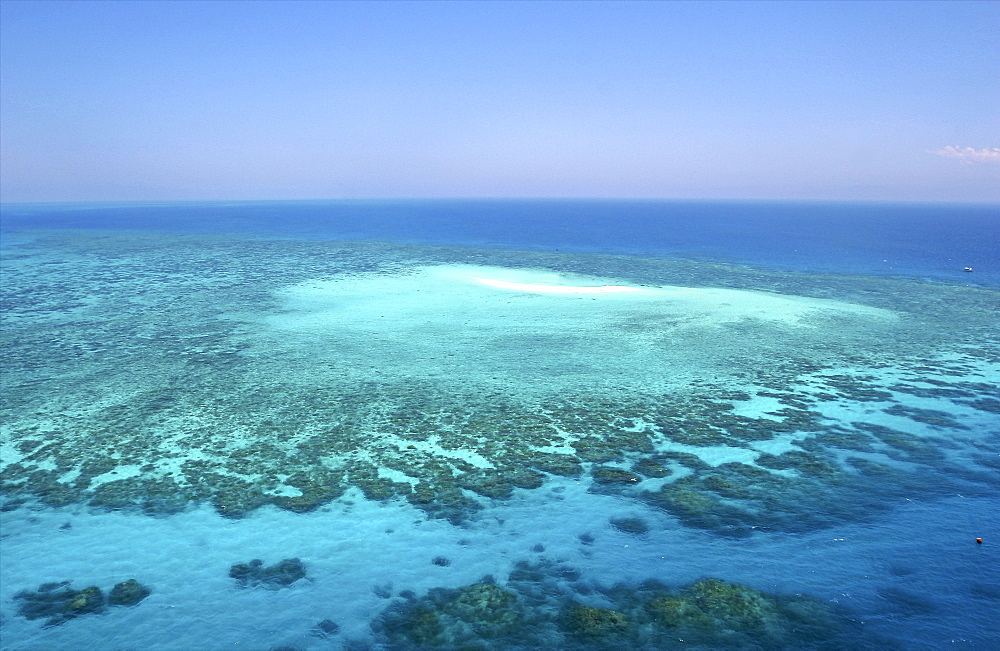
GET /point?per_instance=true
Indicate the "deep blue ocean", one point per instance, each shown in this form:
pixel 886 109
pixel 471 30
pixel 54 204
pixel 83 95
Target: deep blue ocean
pixel 923 240
pixel 499 424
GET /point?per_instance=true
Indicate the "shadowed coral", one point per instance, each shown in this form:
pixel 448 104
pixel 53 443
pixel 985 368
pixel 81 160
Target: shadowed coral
pixel 595 622
pixel 499 484
pixel 731 602
pixel 611 475
pixel 539 608
pixel 489 609
pixel 651 468
pixel 462 618
pixel 318 486
pixel 59 603
pixel 271 577
pixel 630 525
pixel 127 593
pixel 677 612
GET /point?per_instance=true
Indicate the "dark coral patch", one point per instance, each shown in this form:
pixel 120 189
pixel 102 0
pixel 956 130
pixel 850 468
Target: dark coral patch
pixel 57 603
pixel 271 577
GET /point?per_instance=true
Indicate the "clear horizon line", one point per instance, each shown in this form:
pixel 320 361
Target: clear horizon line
pixel 415 199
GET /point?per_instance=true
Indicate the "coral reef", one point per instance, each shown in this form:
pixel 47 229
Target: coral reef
pixel 202 409
pixel 594 622
pixel 719 613
pixel 452 618
pixel 650 467
pixel 58 602
pixel 127 593
pixel 499 484
pixel 635 526
pixel 611 475
pixel 325 629
pixel 545 605
pixel 271 577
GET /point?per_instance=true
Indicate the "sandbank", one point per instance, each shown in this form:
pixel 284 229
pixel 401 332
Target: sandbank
pixel 555 289
pixel 481 297
pixel 477 325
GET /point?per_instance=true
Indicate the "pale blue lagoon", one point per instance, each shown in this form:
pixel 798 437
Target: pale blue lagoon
pixel 500 425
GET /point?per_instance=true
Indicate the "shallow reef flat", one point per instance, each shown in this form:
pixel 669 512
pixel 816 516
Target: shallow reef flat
pixel 153 372
pixel 547 450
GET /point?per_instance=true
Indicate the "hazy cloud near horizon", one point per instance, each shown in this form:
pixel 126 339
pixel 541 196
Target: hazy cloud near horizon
pixel 969 154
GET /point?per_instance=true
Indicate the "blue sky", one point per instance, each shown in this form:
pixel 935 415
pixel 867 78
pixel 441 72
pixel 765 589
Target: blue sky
pixel 296 100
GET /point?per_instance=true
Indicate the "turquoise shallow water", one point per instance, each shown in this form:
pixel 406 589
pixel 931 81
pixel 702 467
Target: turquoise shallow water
pixel 733 455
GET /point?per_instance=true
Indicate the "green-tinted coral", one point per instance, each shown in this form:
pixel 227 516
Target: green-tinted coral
pixel 630 525
pixel 127 593
pixel 490 610
pixel 540 608
pixel 730 615
pixel 421 626
pixel 462 618
pixel 597 450
pixel 317 486
pixel 58 603
pixel 499 484
pixel 803 462
pixel 678 612
pixel 557 464
pixel 679 498
pixel 271 577
pixel 615 476
pixel 650 468
pixel 595 622
pixel 730 602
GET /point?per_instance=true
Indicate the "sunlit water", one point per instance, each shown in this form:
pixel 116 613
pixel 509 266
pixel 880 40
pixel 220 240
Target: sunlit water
pixel 501 425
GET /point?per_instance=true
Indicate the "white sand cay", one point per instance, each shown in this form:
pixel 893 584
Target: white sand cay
pixel 555 289
pixel 703 306
pixel 535 326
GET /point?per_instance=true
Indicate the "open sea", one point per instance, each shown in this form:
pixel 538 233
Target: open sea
pixel 488 424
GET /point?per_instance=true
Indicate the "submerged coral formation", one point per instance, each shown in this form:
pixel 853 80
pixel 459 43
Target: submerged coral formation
pixel 541 607
pixel 270 577
pixel 723 614
pixel 325 629
pixel 630 525
pixel 58 603
pixel 591 622
pixel 127 593
pixel 449 618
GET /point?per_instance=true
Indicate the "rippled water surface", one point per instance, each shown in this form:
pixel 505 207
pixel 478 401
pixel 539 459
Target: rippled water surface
pixel 499 425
